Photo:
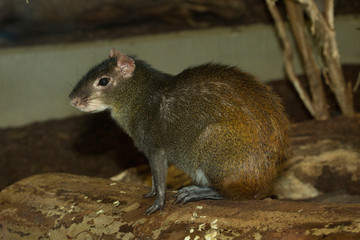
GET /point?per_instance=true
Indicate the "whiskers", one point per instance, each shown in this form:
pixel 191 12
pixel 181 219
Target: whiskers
pixel 92 98
pixel 95 104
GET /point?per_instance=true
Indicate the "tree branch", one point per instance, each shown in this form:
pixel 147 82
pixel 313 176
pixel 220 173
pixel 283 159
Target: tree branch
pixel 324 30
pixel 288 56
pixel 295 15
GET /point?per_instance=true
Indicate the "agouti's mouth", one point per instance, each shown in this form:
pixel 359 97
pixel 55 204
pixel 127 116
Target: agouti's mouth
pixel 86 105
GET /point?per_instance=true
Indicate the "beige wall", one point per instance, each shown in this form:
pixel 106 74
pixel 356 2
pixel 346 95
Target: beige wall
pixel 35 81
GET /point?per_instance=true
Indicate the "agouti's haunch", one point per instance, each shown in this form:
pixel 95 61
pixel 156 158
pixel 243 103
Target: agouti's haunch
pixel 220 125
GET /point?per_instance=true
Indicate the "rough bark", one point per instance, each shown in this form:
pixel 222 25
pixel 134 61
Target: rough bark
pixel 324 163
pixel 64 206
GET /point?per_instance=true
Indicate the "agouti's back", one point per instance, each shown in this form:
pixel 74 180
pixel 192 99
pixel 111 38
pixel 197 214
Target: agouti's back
pixel 232 127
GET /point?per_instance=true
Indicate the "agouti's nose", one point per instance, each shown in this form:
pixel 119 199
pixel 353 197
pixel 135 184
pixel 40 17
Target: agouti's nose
pixel 75 101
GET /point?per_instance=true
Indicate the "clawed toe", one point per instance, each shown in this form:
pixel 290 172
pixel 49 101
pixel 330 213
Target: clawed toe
pixel 195 193
pixel 149 195
pixel 158 205
pixel 182 198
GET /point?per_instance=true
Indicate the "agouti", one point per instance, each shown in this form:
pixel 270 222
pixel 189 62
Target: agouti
pixel 220 125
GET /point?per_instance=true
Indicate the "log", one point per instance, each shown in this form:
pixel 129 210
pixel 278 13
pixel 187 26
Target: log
pixel 65 206
pixel 325 159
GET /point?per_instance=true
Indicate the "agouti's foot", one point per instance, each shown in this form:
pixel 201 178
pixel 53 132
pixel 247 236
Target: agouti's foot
pixel 149 195
pixel 194 193
pixel 158 205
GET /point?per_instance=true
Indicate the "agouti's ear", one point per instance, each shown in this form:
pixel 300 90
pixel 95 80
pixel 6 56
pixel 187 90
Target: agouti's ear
pixel 125 65
pixel 114 53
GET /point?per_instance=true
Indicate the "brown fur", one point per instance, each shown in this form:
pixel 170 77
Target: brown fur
pixel 219 124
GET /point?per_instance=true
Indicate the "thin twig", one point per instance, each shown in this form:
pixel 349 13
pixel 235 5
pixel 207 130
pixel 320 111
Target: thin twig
pixel 325 74
pixel 329 13
pixel 357 84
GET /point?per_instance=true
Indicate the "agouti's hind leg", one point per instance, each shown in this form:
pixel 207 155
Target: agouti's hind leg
pixel 195 193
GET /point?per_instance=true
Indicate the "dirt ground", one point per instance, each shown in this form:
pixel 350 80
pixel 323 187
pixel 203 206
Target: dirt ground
pixel 93 145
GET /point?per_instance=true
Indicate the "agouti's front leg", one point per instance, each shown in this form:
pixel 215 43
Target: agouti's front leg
pixel 158 165
pixel 152 192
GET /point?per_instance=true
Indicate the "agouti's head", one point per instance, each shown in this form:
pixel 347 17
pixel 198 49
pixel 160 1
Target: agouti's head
pixel 93 92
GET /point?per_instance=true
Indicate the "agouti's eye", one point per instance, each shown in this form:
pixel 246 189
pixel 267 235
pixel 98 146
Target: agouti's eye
pixel 103 82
